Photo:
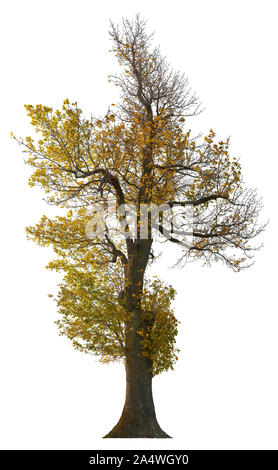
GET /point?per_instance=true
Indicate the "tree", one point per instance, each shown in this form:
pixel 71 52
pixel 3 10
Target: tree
pixel 138 154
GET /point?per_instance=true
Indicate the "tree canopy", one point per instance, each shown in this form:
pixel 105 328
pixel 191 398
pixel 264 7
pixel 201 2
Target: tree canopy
pixel 140 152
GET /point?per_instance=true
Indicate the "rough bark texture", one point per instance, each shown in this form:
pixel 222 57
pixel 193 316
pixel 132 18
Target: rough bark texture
pixel 138 419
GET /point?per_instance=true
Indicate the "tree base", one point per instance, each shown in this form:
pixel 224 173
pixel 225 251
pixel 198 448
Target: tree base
pixel 137 430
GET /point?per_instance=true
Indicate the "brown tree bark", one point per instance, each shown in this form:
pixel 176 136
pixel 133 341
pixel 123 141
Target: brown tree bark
pixel 138 419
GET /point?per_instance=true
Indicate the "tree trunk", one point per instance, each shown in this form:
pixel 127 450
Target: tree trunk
pixel 138 419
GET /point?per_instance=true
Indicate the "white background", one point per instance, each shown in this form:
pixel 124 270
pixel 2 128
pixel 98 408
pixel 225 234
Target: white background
pixel 223 392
